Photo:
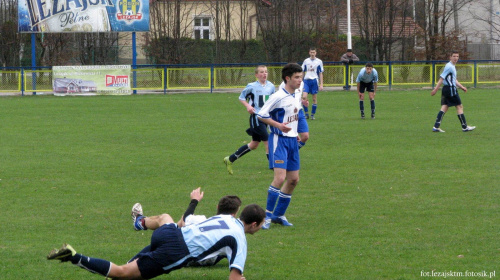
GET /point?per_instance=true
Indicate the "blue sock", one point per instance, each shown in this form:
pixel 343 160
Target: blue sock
pixel 139 223
pixel 313 111
pixel 306 110
pixel 272 197
pixel 439 118
pixel 283 202
pixel 301 144
pixel 93 265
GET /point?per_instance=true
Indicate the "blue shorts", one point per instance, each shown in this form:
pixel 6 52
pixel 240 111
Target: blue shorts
pixel 302 126
pixel 283 152
pixel 311 86
pixel 167 252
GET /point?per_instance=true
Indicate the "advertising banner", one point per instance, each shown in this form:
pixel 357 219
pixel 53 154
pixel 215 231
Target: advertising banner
pixel 83 16
pixel 91 80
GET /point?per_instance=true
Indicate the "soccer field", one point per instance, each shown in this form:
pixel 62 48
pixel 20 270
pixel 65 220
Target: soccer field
pixel 377 199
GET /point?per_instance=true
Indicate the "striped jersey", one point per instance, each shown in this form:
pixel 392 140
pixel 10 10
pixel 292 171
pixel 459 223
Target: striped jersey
pixel 256 94
pixel 367 78
pixel 449 75
pixel 282 107
pixel 221 234
pixel 312 68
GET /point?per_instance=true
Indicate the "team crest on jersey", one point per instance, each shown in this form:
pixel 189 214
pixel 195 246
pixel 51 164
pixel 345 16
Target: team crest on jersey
pixel 129 10
pixel 295 110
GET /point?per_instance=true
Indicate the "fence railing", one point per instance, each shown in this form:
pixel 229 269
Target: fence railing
pixel 165 78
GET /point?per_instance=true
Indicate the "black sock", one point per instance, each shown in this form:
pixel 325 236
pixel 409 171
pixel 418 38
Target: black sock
pixel 362 107
pixel 372 104
pixel 93 265
pixel 239 153
pixel 463 122
pixel 438 119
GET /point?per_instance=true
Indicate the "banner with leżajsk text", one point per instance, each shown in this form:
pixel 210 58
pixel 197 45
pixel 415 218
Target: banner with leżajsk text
pixel 91 80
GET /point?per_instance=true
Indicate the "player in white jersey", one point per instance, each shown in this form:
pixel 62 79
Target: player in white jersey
pixel 449 94
pixel 173 248
pixel 281 113
pixel 253 98
pixel 303 127
pixel 313 80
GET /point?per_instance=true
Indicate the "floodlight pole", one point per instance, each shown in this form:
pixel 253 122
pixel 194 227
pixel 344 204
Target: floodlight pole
pixel 349 40
pixel 134 62
pixel 33 62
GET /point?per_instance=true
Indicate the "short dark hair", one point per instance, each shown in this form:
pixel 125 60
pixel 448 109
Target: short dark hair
pixel 369 64
pixel 312 49
pixel 290 69
pixel 253 213
pixel 349 50
pixel 454 52
pixel 229 204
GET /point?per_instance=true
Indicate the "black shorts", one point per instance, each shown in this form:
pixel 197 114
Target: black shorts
pixel 450 97
pixel 368 86
pixel 168 252
pixel 258 129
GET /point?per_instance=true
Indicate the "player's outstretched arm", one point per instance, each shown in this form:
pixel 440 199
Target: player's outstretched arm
pixel 196 196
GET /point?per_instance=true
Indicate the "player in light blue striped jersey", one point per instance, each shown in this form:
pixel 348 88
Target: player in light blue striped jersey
pixel 281 113
pixel 173 248
pixel 253 98
pixel 367 80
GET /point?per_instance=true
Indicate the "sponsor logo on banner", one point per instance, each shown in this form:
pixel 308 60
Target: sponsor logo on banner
pixel 116 81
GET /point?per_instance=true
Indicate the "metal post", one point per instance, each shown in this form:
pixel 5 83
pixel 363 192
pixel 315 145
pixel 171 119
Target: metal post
pixel 33 61
pixel 134 62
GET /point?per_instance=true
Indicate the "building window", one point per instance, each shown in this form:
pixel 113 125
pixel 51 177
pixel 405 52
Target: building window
pixel 202 28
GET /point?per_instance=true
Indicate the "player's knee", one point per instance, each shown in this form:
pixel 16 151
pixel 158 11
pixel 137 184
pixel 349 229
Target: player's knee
pixel 165 219
pixel 253 145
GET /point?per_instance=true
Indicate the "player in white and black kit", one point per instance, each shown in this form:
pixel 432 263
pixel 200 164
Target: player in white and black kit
pixel 313 80
pixel 281 113
pixel 253 98
pixel 449 94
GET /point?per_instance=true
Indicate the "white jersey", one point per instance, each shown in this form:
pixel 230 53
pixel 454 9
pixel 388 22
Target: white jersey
pixel 298 92
pixel 221 234
pixel 312 68
pixel 282 107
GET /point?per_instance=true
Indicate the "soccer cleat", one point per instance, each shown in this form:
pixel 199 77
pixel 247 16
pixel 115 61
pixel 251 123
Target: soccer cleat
pixel 434 129
pixel 312 117
pixel 64 254
pixel 267 223
pixel 362 116
pixel 373 116
pixel 229 165
pixel 307 116
pixel 468 128
pixel 137 211
pixel 282 221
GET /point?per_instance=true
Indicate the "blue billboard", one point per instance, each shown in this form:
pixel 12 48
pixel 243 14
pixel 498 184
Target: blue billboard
pixel 53 16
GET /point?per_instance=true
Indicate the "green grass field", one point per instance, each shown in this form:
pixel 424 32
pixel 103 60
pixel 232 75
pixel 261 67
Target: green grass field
pixel 377 199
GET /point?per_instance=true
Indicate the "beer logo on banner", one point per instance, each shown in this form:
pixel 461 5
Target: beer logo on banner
pixel 129 10
pixel 116 81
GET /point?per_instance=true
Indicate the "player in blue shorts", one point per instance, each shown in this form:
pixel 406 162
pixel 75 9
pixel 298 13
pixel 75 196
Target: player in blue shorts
pixel 173 248
pixel 313 80
pixel 281 113
pixel 367 80
pixel 253 98
pixel 449 94
pixel 303 127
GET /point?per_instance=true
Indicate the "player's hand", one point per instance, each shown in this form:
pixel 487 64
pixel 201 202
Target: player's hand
pixel 305 102
pixel 433 92
pixel 197 194
pixel 464 88
pixel 321 88
pixel 284 128
pixel 250 110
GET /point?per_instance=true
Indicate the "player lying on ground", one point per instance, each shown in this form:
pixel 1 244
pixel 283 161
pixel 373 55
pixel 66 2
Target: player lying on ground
pixel 173 248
